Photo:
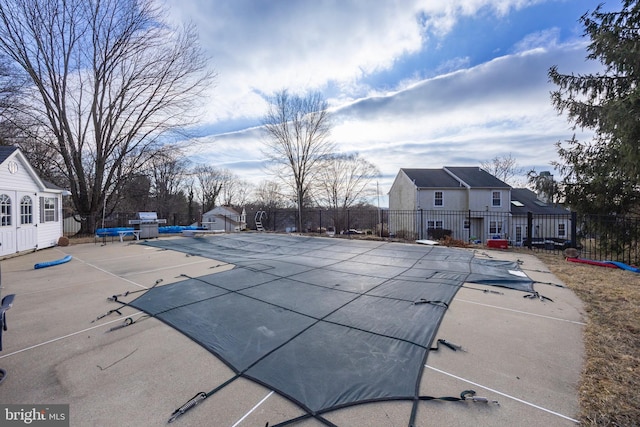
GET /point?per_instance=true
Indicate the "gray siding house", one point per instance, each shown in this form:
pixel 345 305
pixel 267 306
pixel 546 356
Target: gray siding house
pixel 436 193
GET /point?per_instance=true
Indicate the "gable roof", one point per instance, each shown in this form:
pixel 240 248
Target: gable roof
pixel 6 151
pixel 222 210
pixel 530 203
pixel 425 178
pixel 476 177
pixel 454 177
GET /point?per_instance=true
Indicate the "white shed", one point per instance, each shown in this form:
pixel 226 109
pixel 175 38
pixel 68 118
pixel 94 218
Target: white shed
pixel 30 208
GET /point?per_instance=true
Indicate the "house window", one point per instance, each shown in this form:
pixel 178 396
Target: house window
pixel 438 199
pixel 26 210
pixel 496 199
pixel 495 227
pixel 5 210
pixel 518 233
pixel 435 224
pixel 48 209
pixel 562 230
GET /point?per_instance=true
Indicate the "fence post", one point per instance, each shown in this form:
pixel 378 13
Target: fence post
pixel 529 228
pixel 574 229
pixel 320 221
pixel 421 223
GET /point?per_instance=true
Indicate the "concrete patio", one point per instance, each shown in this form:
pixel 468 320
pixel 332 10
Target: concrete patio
pixel 524 353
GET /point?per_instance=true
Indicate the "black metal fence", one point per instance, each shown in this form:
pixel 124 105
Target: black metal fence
pixel 597 237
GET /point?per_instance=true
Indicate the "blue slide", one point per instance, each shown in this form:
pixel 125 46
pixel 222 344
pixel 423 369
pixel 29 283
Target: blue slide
pixel 624 266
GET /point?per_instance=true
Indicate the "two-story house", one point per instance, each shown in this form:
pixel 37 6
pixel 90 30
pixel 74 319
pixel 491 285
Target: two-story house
pixel 439 193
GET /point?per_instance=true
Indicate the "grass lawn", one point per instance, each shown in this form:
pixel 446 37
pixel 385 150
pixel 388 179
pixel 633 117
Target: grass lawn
pixel 611 372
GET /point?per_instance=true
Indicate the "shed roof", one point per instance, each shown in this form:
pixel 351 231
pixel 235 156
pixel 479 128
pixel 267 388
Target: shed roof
pixel 6 151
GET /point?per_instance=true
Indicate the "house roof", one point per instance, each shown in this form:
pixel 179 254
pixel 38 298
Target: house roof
pixel 222 210
pixel 524 200
pixel 6 151
pixel 454 177
pixel 431 178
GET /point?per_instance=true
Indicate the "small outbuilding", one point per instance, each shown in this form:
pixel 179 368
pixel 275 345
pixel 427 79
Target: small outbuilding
pixel 224 219
pixel 30 208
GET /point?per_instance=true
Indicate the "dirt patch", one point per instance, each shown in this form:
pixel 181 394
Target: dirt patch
pixel 612 340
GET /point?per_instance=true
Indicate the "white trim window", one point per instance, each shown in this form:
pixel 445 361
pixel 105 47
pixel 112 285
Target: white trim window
pixel 438 199
pixel 5 210
pixel 26 210
pixel 435 224
pixel 495 227
pixel 48 209
pixel 562 230
pixel 496 199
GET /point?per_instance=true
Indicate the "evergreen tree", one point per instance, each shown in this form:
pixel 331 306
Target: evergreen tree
pixel 602 175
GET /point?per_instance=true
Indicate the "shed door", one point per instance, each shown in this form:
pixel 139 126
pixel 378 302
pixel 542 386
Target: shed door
pixel 7 222
pixel 26 233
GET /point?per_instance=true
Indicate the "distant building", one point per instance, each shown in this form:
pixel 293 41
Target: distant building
pixel 30 208
pixel 437 192
pixel 470 204
pixel 225 218
pixel 549 221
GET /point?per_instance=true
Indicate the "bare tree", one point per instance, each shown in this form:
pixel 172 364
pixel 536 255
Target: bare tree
pixel 345 180
pixel 504 168
pixel 109 79
pixel 211 181
pixel 235 191
pixel 269 196
pixel 12 91
pixel 167 172
pixel 297 140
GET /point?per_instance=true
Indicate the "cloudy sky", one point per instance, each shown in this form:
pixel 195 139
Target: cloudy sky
pixel 411 83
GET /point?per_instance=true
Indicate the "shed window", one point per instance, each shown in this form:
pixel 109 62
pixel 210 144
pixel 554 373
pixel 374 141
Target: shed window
pixel 5 210
pixel 496 199
pixel 438 199
pixel 48 209
pixel 26 210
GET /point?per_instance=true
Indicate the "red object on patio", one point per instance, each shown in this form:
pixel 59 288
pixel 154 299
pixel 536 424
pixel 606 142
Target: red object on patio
pixel 498 243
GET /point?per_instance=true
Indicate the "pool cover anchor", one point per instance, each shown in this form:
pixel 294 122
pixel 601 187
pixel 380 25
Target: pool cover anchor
pixel 450 345
pixel 114 298
pixel 470 395
pixel 115 310
pixel 191 403
pixel 538 295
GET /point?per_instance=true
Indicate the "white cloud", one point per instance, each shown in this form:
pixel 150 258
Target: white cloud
pixel 461 118
pixel 260 47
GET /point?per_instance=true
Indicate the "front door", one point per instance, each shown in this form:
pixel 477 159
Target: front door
pixel 26 235
pixel 7 222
